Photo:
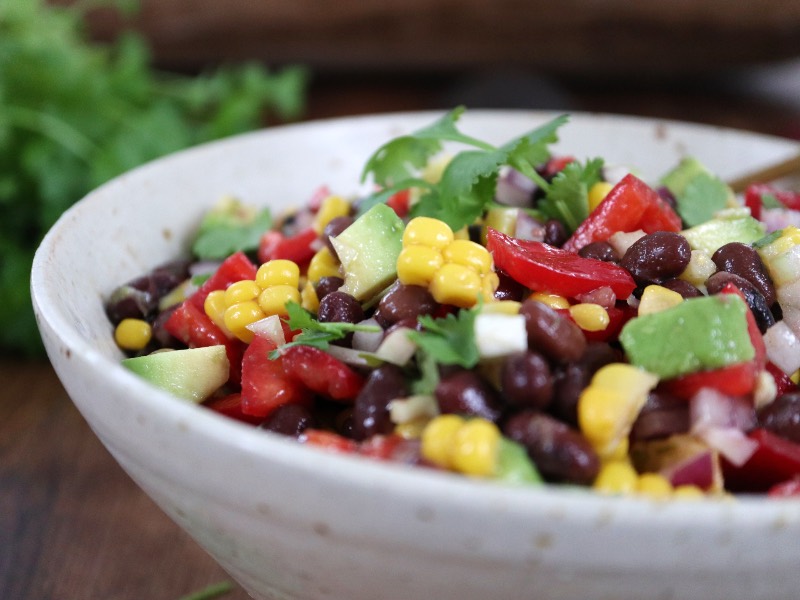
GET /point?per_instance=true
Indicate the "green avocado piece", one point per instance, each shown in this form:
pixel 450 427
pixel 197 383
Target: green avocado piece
pixel 698 334
pixel 698 192
pixel 730 225
pixel 192 374
pixel 514 465
pixel 368 250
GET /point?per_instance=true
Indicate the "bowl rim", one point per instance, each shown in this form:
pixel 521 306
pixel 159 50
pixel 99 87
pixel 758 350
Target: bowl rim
pixel 396 479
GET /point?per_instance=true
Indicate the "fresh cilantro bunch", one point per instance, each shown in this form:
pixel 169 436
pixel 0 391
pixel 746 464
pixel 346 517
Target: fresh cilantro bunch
pixel 74 114
pixel 469 181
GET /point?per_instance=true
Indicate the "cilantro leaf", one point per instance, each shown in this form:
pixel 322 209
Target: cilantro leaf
pixel 230 227
pixel 450 340
pixel 567 198
pixel 704 195
pixel 316 333
pixel 531 149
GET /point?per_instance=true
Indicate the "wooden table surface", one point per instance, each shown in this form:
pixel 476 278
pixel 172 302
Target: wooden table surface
pixel 74 526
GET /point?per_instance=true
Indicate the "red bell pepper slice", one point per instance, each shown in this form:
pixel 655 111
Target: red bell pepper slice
pixel 785 489
pixel 322 373
pixel 231 407
pixel 299 248
pixel 774 461
pixel 265 385
pixel 556 164
pixel 193 327
pixel 542 267
pixel 234 268
pixel 629 206
pixel 783 383
pixel 400 203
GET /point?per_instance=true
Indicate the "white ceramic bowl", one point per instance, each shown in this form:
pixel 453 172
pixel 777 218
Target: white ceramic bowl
pixel 293 522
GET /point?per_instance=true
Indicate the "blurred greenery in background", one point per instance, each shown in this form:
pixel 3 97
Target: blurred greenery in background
pixel 74 114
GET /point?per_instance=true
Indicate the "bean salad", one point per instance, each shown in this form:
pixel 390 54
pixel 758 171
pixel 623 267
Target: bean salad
pixel 503 313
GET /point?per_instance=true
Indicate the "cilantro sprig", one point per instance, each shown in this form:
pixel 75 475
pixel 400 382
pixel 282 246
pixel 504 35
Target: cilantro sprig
pixel 447 341
pixel 567 196
pixel 316 333
pixel 469 180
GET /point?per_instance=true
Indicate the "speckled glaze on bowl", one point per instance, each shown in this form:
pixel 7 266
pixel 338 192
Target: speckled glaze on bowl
pixel 292 522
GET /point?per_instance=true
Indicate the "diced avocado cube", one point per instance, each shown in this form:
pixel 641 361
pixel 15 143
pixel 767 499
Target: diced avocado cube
pixel 730 225
pixel 708 332
pixel 368 250
pixel 192 374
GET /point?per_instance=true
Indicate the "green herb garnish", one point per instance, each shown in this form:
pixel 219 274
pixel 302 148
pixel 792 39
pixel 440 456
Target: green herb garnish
pixel 567 198
pixel 316 333
pixel 469 180
pixel 215 590
pixel 74 114
pixel 230 227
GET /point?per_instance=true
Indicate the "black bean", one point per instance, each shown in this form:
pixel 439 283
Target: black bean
pixel 743 260
pixel 328 284
pixel 661 416
pixel 466 393
pixel 560 453
pixel 404 302
pixel 289 419
pixel 526 381
pixel 334 227
pixel 509 288
pixel 552 334
pixel 657 257
pixel 340 307
pixel 599 251
pixel 684 288
pixel 371 406
pixel 555 233
pixel 129 302
pixel 782 416
pixel 572 378
pixel 756 302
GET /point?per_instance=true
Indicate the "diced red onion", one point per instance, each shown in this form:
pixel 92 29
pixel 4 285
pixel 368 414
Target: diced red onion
pixel 271 328
pixel 350 356
pixel 710 408
pixel 529 228
pixel 203 267
pixel 368 341
pixel 696 470
pixel 514 189
pixel 604 296
pixel 783 347
pixel 732 443
pixel 622 240
pixel 397 348
pixel 778 218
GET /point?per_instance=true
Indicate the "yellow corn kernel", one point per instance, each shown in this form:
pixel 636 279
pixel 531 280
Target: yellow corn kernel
pixel 654 485
pixel 475 450
pixel 241 291
pixel 133 334
pixel 417 265
pixel 489 284
pixel 616 477
pixel 656 298
pixel 412 430
pixel 455 284
pixel 278 272
pixel 597 193
pixel 469 254
pixel 273 299
pixel 700 268
pixel 789 238
pixel 323 264
pixel 795 377
pixel 624 379
pixel 308 298
pixel 502 307
pixel 589 316
pixel 214 306
pixel 619 451
pixel 330 208
pixel 552 300
pixel 426 231
pixel 688 492
pixel 438 438
pixel 238 316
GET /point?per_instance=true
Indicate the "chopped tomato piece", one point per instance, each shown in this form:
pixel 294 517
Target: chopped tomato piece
pixel 556 164
pixel 231 406
pixel 783 382
pixel 785 489
pixel 733 380
pixel 322 373
pixel 629 206
pixel 193 327
pixel 775 461
pixel 299 248
pixel 265 385
pixel 234 268
pixel 400 202
pixel 329 441
pixel 542 267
